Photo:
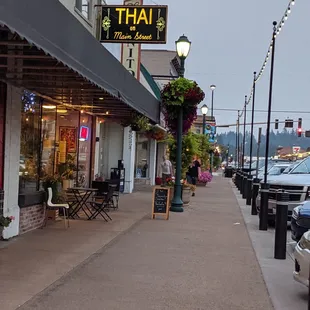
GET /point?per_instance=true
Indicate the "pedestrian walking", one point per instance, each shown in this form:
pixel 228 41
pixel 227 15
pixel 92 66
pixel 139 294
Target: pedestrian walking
pixel 193 173
pixel 166 170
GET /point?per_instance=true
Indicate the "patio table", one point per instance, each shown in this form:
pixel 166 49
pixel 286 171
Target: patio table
pixel 82 196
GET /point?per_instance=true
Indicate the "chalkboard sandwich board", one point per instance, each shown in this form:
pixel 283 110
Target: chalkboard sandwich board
pixel 161 198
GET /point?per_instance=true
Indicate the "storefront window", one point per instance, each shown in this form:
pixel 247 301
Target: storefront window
pixel 84 150
pixel 142 156
pixel 67 143
pixel 48 136
pixel 30 143
pixel 54 140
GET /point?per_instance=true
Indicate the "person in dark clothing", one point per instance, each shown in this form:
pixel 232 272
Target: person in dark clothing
pixel 193 173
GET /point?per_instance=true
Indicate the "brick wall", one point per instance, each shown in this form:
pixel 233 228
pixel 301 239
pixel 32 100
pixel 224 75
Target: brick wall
pixel 31 218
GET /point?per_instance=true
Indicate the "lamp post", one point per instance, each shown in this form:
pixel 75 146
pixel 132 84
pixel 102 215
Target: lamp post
pixel 212 87
pixel 263 223
pixel 252 121
pixel 204 111
pixel 183 46
pixel 243 143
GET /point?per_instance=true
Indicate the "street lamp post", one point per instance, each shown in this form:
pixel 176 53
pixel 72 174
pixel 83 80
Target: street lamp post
pixel 212 87
pixel 263 223
pixel 204 111
pixel 252 121
pixel 243 143
pixel 183 46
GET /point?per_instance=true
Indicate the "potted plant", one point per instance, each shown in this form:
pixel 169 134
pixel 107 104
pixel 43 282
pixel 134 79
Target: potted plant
pixel 54 182
pixel 67 171
pixel 204 178
pixel 181 93
pixel 5 221
pixel 187 191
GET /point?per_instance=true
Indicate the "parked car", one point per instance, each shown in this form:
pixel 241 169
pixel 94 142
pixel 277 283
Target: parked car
pixel 300 222
pixel 276 169
pixel 296 183
pixel 302 259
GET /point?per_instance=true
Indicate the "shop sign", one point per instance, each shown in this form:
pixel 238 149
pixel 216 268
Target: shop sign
pixel 296 149
pixel 134 24
pixel 84 133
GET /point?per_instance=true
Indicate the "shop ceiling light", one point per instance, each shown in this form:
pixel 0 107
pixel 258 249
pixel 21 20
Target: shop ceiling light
pixel 49 107
pixel 101 98
pixel 62 111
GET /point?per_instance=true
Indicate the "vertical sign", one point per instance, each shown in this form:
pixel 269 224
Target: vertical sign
pixel 131 53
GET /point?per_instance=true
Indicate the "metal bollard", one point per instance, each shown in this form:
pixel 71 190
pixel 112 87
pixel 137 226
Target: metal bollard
pixel 241 182
pixel 263 214
pixel 254 195
pixel 245 186
pixel 239 178
pixel 281 225
pixel 249 190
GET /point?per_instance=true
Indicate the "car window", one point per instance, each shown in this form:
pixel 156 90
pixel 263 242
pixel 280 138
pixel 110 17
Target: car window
pixel 302 168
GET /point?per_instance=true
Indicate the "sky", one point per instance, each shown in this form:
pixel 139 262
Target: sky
pixel 230 40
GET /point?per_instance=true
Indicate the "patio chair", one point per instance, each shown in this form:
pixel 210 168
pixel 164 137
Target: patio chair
pixel 58 206
pixel 116 188
pixel 102 200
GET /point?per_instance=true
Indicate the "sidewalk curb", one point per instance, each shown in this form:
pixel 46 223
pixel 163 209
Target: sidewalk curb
pixel 250 239
pixel 92 256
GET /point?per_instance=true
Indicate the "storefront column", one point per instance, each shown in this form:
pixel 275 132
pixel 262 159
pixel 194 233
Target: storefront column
pixel 129 153
pixel 11 160
pixel 153 158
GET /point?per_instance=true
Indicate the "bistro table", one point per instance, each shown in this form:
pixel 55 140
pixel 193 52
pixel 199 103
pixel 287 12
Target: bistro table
pixel 82 196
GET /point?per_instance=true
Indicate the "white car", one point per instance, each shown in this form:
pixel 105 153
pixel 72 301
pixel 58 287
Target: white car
pixel 296 183
pixel 302 259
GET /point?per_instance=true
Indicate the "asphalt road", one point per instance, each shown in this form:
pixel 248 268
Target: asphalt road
pixel 199 259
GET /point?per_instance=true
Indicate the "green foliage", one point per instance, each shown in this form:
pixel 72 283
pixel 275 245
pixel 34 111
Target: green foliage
pixel 216 161
pixel 204 149
pixel 175 94
pixel 67 169
pixel 192 145
pixel 137 122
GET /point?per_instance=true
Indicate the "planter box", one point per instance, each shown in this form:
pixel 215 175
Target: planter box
pixel 201 184
pixel 53 214
pixel 186 195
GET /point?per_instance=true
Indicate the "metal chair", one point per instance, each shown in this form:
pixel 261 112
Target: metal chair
pixel 63 206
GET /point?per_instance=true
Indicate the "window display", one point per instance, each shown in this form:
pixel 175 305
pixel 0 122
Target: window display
pixel 142 156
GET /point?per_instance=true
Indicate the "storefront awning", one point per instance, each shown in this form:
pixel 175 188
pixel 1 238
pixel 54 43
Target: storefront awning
pixel 45 49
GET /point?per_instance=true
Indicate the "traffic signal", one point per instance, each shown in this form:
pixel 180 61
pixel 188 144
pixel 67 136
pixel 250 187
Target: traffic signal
pixel 276 124
pixel 299 132
pixel 299 129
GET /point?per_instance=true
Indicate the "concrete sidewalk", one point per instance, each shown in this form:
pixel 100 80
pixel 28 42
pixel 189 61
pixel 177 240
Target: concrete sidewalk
pixel 285 292
pixel 200 259
pixel 32 262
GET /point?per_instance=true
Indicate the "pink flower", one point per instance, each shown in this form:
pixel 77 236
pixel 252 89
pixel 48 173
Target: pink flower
pixel 12 218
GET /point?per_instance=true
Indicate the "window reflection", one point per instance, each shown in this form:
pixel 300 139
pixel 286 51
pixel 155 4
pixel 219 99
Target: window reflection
pixel 30 143
pixel 142 156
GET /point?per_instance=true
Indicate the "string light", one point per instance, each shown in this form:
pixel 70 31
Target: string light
pixel 277 32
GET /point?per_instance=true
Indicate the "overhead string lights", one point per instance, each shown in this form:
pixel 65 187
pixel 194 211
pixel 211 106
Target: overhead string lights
pixel 278 30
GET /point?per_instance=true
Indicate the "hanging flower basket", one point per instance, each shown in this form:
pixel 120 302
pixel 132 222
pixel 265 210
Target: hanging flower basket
pixel 155 133
pixel 181 93
pixel 136 122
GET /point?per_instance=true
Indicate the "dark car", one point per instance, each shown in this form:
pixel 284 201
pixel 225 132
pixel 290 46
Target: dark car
pixel 300 222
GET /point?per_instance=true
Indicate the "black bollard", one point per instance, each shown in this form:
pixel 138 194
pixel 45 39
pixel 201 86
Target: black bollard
pixel 263 213
pixel 245 186
pixel 241 182
pixel 281 225
pixel 249 190
pixel 255 189
pixel 239 179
